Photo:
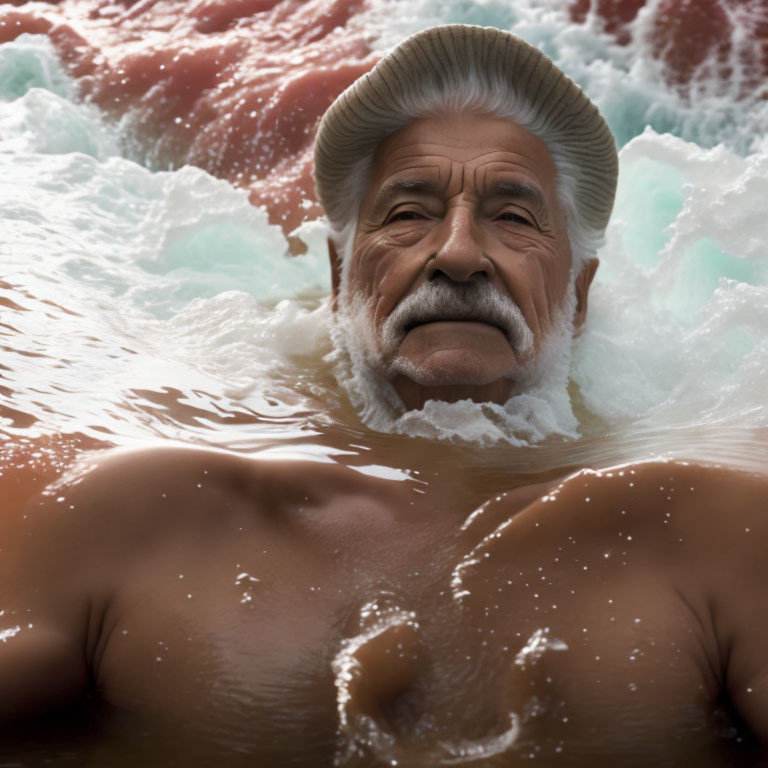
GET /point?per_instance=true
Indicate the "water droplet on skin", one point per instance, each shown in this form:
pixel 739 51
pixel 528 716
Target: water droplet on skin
pixel 6 634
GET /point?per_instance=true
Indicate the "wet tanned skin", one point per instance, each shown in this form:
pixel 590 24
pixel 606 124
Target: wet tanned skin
pixel 201 599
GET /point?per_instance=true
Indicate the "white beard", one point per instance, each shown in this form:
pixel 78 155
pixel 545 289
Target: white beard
pixel 543 410
pixel 359 367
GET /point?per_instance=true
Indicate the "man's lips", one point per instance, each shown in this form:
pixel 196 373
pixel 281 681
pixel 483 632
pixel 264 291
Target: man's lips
pixel 474 320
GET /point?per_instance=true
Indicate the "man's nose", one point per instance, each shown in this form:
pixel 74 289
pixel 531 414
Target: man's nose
pixel 459 253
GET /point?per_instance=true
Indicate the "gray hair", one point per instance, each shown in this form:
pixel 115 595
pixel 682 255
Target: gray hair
pixel 476 97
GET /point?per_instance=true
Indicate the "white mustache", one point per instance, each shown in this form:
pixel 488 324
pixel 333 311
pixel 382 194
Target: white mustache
pixel 444 299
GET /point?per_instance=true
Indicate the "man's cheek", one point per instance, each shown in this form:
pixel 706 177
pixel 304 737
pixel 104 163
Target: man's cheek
pixel 362 270
pixel 539 266
pixel 532 246
pixel 405 234
pixel 393 270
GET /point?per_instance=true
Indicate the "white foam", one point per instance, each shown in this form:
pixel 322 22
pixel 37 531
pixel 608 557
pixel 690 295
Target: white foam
pixel 677 320
pixel 172 282
pixel 29 62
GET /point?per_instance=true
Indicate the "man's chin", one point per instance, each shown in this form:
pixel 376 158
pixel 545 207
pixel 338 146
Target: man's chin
pixel 449 377
pixel 456 365
pixel 452 353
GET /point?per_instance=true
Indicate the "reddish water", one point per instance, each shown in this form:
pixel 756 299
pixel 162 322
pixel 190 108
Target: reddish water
pixel 238 87
pixel 689 34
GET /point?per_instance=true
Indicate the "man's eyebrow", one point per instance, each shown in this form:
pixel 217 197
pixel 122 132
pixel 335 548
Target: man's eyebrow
pixel 519 191
pixel 409 185
pixel 392 189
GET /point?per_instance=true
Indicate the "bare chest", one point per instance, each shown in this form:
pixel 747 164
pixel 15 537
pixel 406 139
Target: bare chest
pixel 338 653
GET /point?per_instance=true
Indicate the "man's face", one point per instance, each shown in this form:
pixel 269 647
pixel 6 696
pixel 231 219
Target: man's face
pixel 461 258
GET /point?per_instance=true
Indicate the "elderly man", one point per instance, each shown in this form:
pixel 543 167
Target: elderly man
pixel 172 607
pixel 468 183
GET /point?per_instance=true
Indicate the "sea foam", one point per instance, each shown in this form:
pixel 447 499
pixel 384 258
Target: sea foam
pixel 136 289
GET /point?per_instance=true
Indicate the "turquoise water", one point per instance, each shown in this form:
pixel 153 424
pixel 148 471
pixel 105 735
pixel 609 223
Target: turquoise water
pixel 148 304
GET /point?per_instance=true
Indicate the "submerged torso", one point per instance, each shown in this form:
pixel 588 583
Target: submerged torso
pixel 268 613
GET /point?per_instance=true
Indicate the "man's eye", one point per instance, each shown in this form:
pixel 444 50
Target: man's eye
pixel 515 217
pixel 405 216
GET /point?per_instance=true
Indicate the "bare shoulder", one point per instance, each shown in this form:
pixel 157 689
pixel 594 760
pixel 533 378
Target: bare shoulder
pixel 662 507
pixel 110 492
pixel 701 525
pixel 701 499
pixel 90 516
pixel 119 495
pixel 705 528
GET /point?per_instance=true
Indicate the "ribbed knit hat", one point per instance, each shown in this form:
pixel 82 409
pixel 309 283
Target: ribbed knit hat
pixel 448 57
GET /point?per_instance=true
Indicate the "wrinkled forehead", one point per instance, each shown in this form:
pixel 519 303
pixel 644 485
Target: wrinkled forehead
pixel 461 152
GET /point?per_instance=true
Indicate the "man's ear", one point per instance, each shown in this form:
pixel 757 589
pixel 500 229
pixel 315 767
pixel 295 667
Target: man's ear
pixel 583 281
pixel 333 255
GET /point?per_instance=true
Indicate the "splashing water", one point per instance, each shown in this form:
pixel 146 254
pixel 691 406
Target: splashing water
pixel 140 304
pixel 380 663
